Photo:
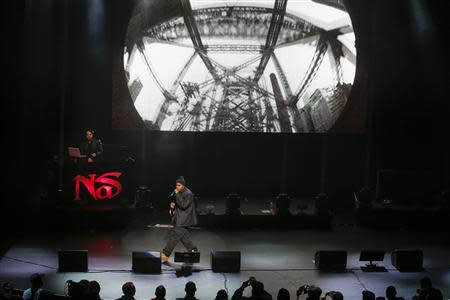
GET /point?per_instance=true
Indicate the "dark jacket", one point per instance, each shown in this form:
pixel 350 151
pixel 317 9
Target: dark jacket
pixel 185 212
pixel 89 147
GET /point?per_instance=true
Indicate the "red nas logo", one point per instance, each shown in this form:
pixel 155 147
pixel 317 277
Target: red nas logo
pixel 105 186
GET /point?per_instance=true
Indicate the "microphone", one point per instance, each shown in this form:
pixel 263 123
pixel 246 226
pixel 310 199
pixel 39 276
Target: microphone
pixel 173 193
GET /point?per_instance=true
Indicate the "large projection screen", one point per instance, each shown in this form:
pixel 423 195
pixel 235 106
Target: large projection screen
pixel 238 66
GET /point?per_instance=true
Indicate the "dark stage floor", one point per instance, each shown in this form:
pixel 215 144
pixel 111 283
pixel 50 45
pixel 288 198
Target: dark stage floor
pixel 278 258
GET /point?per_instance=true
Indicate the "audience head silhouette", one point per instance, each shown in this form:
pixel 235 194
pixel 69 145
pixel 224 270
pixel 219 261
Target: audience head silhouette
pixel 283 294
pixel 190 289
pixel 160 292
pixel 222 295
pixel 90 290
pixel 368 295
pixel 129 290
pixel 94 290
pixel 314 292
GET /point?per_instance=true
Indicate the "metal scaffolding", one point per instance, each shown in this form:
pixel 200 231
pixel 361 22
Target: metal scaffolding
pixel 276 22
pixel 237 98
pixel 194 34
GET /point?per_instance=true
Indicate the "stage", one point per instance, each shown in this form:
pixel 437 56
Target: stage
pixel 279 258
pixel 298 125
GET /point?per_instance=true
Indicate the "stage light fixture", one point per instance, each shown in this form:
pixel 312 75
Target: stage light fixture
pixel 233 204
pixel 142 197
pixel 282 203
pixel 210 209
pixel 322 206
pixel 363 198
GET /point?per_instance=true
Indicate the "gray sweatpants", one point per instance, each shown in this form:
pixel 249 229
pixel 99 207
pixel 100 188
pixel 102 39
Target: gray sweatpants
pixel 177 234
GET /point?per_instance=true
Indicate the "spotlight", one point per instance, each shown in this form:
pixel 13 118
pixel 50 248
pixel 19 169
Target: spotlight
pixel 233 205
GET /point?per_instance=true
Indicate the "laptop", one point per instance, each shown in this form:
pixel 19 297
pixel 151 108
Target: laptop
pixel 75 152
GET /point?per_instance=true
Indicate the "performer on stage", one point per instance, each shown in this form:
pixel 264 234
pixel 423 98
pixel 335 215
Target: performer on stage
pixel 91 147
pixel 184 215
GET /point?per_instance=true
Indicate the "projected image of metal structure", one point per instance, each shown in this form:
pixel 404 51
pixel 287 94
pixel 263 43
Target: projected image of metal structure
pixel 242 66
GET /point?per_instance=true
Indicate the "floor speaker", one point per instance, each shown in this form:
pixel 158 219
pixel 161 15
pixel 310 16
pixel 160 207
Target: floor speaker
pixel 146 262
pixel 226 261
pixel 407 260
pixel 73 261
pixel 331 260
pixel 187 257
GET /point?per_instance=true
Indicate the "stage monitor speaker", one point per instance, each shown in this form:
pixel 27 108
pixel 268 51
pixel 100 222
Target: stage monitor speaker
pixel 331 260
pixel 226 261
pixel 72 261
pixel 146 262
pixel 187 257
pixel 407 260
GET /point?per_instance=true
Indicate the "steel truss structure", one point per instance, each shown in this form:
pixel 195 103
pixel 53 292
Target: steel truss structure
pixel 228 101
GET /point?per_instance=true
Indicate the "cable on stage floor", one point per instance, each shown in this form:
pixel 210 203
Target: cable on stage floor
pixel 225 280
pixel 30 262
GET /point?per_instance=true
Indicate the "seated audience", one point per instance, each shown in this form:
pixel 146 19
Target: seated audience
pixel 258 291
pixel 160 293
pixel 313 292
pixel 190 290
pixel 90 290
pixel 222 295
pixel 427 291
pixel 283 294
pixel 78 290
pixel 94 290
pixel 391 293
pixel 368 295
pixel 129 290
pixel 34 292
pixel 7 291
pixel 334 295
